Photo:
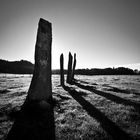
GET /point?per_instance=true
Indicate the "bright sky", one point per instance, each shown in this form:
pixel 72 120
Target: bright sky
pixel 103 33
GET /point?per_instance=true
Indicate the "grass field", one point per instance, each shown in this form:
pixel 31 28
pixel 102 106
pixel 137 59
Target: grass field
pixel 94 107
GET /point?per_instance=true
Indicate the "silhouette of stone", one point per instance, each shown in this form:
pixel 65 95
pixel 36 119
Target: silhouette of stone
pixel 74 65
pixel 36 117
pixel 43 105
pixel 69 72
pixel 40 88
pixel 62 70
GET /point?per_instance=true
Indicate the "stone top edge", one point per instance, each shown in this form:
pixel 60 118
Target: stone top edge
pixel 45 22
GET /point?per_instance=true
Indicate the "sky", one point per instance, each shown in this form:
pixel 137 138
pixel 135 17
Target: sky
pixel 103 33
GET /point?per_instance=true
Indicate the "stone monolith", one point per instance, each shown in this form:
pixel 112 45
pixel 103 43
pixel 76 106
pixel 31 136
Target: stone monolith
pixel 69 72
pixel 61 70
pixel 74 65
pixel 40 87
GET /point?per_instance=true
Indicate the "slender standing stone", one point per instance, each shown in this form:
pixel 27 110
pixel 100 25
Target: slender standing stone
pixel 74 65
pixel 69 72
pixel 41 88
pixel 62 70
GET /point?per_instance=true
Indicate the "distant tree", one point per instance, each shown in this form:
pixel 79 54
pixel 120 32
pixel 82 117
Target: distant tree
pixel 136 71
pixel 16 67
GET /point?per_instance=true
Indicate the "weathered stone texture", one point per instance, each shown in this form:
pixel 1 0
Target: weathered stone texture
pixel 61 70
pixel 40 88
pixel 69 72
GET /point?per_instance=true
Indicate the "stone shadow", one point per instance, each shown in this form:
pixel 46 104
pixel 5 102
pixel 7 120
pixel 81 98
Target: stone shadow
pixel 114 89
pixel 110 96
pixel 35 121
pixel 110 127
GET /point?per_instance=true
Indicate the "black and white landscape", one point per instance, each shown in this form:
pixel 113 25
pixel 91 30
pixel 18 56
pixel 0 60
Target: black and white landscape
pixel 70 70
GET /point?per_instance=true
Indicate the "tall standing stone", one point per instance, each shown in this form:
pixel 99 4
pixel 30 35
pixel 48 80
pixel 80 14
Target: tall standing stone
pixel 35 121
pixel 62 70
pixel 69 72
pixel 74 65
pixel 41 88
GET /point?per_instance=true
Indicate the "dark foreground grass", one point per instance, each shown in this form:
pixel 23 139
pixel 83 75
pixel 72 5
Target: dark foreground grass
pixel 35 121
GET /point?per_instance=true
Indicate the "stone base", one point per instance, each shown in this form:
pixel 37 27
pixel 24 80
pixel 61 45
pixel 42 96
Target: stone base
pixel 35 122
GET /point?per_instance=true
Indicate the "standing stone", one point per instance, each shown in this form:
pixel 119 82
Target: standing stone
pixel 62 70
pixel 35 121
pixel 74 65
pixel 41 87
pixel 69 72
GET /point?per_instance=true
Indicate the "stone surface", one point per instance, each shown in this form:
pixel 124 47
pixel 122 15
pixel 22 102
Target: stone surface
pixel 74 65
pixel 36 117
pixel 61 70
pixel 41 88
pixel 43 105
pixel 69 72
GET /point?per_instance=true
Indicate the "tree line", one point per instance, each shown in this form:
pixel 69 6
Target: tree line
pixel 107 71
pixel 26 67
pixel 16 67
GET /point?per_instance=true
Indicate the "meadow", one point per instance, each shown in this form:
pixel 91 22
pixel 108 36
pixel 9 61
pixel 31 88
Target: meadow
pixel 94 107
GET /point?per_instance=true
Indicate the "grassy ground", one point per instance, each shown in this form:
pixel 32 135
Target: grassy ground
pixel 89 109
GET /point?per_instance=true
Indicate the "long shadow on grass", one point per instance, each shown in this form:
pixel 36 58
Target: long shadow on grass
pixel 109 126
pixel 109 96
pixel 114 89
pixel 35 121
